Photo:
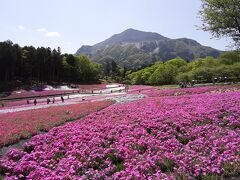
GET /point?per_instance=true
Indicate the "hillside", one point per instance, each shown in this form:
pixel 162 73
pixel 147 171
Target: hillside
pixel 133 48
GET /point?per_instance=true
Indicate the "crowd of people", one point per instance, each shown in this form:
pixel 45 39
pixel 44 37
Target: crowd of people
pixel 187 84
pixel 48 100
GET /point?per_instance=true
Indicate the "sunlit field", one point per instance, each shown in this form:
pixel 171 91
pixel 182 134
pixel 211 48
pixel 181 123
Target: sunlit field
pixel 120 90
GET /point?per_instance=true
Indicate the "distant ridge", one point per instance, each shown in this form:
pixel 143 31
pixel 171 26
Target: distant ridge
pixel 134 48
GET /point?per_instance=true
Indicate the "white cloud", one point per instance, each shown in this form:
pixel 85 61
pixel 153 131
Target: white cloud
pixel 52 34
pixel 41 30
pixel 21 28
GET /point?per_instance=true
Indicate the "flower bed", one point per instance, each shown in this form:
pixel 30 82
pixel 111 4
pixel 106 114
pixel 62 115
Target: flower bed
pixel 161 137
pixel 87 87
pixel 32 93
pixel 193 90
pixel 24 124
pixel 141 89
pixel 13 103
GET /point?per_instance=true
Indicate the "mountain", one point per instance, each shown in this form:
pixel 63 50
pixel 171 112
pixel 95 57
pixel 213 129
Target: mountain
pixel 133 49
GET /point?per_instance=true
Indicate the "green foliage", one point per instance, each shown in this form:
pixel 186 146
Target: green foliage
pixel 184 77
pixel 221 18
pixel 212 177
pixel 28 149
pixel 164 74
pixel 3 170
pixel 203 74
pixel 177 62
pixel 28 64
pixel 117 161
pixel 231 169
pixel 183 140
pixel 58 155
pixel 167 165
pixel 142 76
pixel 209 69
pixel 159 73
pixel 230 58
pixel 202 123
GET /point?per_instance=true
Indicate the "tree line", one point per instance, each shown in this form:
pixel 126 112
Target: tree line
pixel 28 64
pixel 209 69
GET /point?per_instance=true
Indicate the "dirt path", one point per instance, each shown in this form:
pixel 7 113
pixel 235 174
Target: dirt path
pixel 68 99
pixel 75 99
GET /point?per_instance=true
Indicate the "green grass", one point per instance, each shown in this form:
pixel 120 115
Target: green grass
pixel 173 86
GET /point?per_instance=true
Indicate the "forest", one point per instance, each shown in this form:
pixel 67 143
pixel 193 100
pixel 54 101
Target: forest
pixel 225 68
pixel 27 65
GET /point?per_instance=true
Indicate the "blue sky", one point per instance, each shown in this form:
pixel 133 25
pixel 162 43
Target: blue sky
pixel 73 23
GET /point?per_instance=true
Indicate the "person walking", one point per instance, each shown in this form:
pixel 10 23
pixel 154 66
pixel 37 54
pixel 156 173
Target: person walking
pixel 35 102
pixel 48 100
pixel 53 101
pixel 126 88
pixel 62 98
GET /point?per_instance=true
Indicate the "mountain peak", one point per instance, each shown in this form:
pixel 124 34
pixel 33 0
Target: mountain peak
pixel 130 36
pixel 131 30
pixel 134 48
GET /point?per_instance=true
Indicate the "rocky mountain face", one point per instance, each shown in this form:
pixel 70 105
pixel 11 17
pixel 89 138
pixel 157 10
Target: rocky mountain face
pixel 134 49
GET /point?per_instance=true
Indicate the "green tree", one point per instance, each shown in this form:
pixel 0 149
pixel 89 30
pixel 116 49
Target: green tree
pixel 229 58
pixel 107 69
pixel 203 74
pixel 164 74
pixel 184 77
pixel 115 68
pixel 222 18
pixel 8 58
pixel 177 62
pixel 41 65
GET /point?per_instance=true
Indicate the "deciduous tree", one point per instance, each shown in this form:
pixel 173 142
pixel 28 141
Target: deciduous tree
pixel 222 18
